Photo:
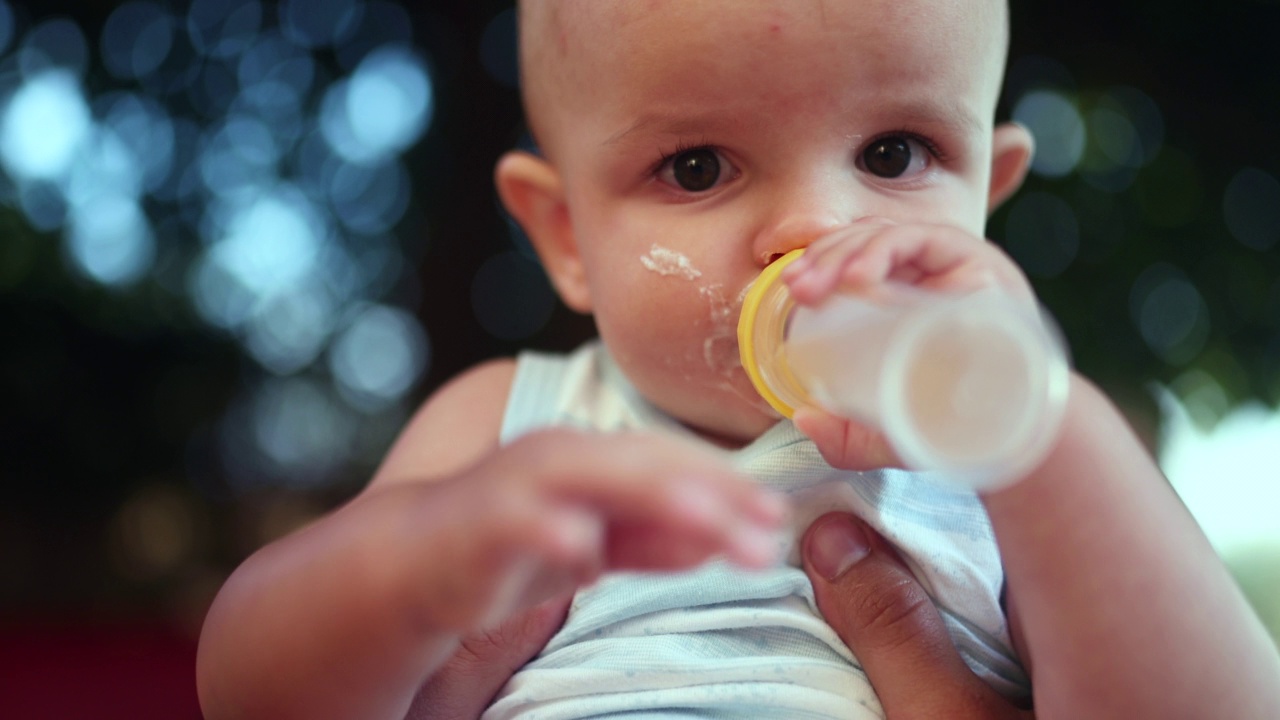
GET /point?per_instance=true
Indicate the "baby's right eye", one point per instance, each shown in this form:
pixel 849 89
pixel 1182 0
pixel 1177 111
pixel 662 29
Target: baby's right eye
pixel 695 170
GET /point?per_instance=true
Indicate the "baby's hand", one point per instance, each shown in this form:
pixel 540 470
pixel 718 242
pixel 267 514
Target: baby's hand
pixel 552 510
pixel 873 252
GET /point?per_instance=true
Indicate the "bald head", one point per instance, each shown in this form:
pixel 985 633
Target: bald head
pixel 570 48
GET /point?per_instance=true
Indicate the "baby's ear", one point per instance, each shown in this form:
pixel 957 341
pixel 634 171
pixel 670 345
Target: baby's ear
pixel 1011 150
pixel 531 190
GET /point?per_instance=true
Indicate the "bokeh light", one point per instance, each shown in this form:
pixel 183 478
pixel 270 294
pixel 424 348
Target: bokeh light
pixel 231 153
pixel 1058 129
pixel 384 107
pixel 54 44
pixel 110 240
pixel 155 532
pixel 287 330
pixel 43 126
pixel 136 39
pixel 511 296
pixel 300 429
pixel 1251 208
pixel 7 29
pixel 223 28
pixel 316 23
pixel 498 49
pixel 1142 114
pixel 379 356
pixel 147 133
pixel 1170 313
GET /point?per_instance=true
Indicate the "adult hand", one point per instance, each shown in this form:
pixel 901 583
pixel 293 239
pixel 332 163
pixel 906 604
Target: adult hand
pixel 864 592
pixel 468 682
pixel 885 617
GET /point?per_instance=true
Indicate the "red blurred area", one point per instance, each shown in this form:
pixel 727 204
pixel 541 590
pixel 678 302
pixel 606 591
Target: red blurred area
pixel 96 671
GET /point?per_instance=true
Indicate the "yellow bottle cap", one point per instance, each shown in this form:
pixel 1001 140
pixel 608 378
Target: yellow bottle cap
pixel 761 330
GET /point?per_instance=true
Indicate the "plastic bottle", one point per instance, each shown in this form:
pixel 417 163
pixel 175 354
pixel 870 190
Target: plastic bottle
pixel 971 385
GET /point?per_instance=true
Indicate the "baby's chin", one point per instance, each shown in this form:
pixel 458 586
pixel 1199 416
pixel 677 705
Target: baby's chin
pixel 739 418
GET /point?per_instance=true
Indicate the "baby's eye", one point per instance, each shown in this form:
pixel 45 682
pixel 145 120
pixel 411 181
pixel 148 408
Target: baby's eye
pixel 696 170
pixel 895 156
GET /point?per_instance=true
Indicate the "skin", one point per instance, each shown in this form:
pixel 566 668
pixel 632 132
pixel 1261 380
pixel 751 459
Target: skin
pixel 423 594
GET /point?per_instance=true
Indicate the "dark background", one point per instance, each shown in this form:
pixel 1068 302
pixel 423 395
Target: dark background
pixel 111 402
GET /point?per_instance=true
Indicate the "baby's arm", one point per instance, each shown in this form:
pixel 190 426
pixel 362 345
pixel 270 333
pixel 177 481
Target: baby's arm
pixel 1118 604
pixel 1123 608
pixel 349 616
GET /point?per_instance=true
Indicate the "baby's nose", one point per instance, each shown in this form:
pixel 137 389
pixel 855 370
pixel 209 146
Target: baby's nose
pixel 791 233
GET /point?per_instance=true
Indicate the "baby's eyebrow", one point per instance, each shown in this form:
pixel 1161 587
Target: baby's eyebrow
pixel 930 112
pixel 957 116
pixel 664 123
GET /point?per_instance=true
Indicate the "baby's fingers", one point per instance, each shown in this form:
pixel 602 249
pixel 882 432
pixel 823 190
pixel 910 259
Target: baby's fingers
pixel 491 551
pixel 845 444
pixel 693 527
pixel 821 270
pixel 935 256
pixel 652 489
pixel 939 257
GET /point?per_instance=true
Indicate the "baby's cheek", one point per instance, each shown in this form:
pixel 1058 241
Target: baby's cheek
pixel 720 354
pixel 720 346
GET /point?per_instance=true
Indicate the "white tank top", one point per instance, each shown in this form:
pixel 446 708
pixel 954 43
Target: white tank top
pixel 720 642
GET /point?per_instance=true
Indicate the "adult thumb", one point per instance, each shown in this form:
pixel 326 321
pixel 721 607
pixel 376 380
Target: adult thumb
pixel 465 685
pixel 886 618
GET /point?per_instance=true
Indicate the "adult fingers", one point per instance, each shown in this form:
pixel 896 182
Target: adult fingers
pixel 892 627
pixel 465 685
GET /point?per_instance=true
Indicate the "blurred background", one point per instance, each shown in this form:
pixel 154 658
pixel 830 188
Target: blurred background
pixel 241 240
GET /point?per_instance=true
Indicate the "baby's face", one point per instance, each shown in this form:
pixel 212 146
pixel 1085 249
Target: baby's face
pixel 698 141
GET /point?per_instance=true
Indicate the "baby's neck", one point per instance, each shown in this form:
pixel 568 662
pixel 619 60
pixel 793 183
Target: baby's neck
pixel 728 442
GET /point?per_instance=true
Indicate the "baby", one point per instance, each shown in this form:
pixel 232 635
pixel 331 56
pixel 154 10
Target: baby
pixel 686 145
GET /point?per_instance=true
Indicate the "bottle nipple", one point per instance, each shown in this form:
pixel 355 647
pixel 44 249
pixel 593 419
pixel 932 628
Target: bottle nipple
pixel 762 334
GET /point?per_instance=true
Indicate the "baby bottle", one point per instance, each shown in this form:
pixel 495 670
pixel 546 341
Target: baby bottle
pixel 970 385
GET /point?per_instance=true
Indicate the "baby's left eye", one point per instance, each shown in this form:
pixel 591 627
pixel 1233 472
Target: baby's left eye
pixel 894 157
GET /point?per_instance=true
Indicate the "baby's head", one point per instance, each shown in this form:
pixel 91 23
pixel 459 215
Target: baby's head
pixel 688 143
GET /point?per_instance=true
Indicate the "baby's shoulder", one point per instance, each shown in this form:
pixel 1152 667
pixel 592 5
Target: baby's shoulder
pixel 474 398
pixel 457 425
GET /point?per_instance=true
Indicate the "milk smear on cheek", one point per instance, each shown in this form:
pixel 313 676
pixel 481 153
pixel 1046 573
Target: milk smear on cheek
pixel 669 262
pixel 720 348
